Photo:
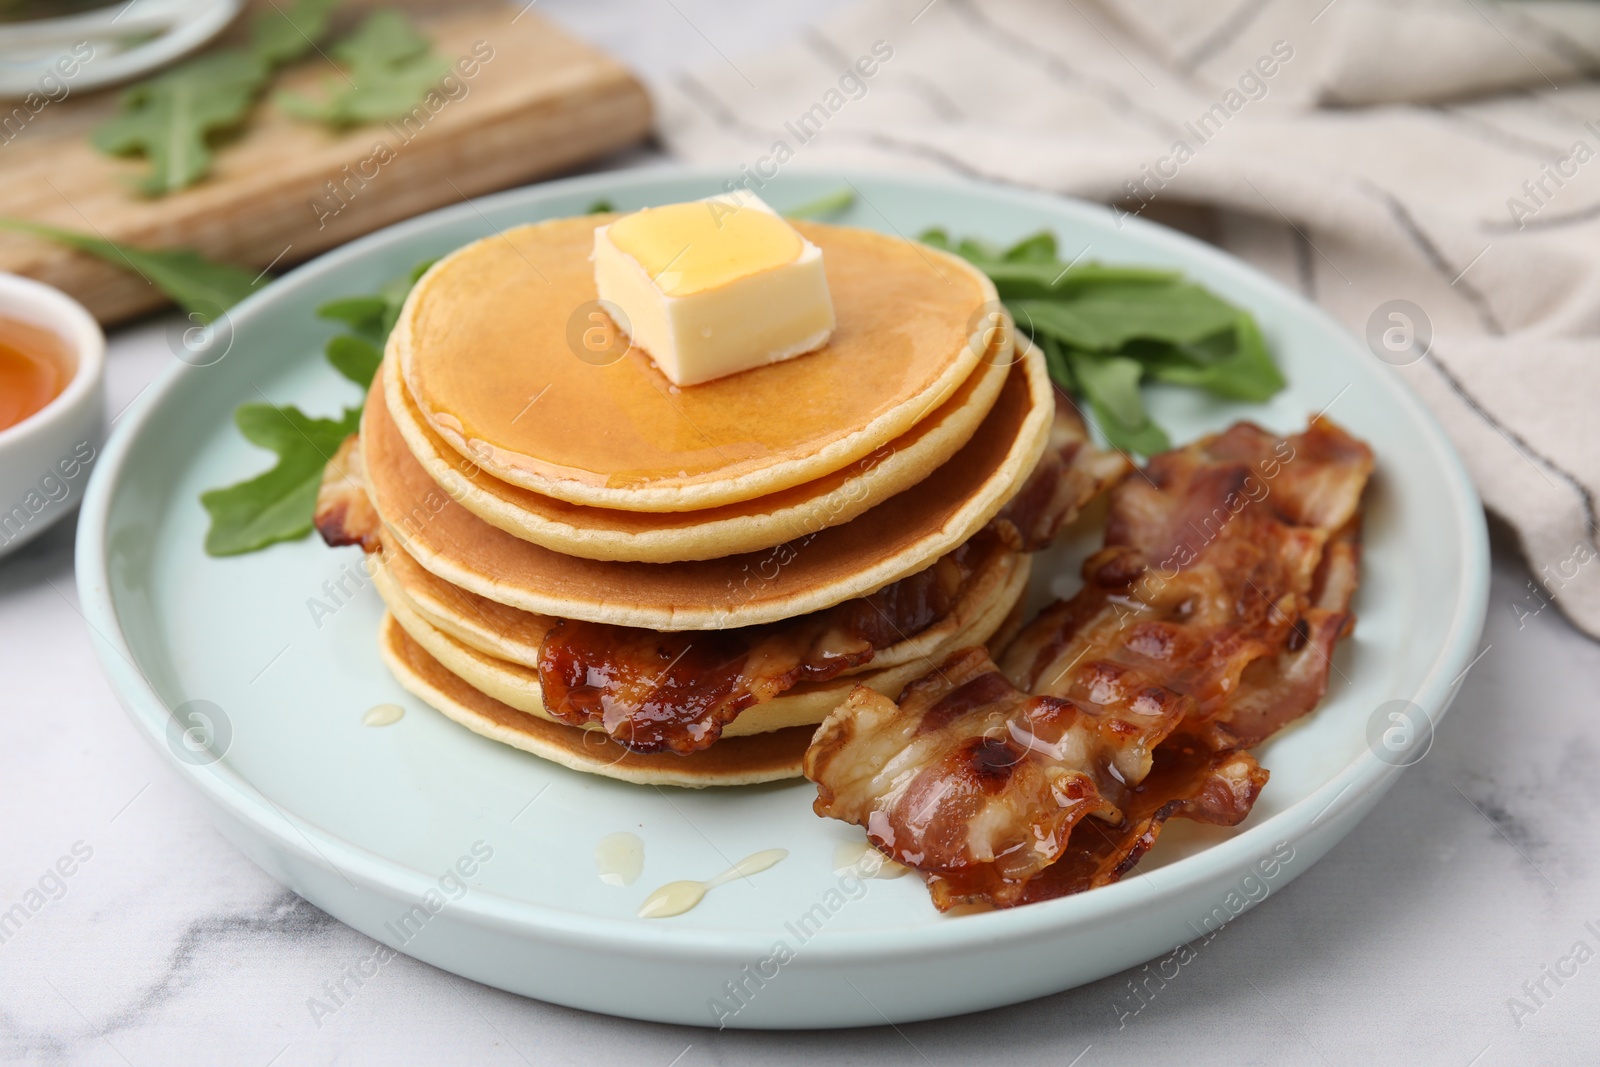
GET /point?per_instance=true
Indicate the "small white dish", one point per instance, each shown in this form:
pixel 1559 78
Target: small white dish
pixel 45 459
pixel 44 59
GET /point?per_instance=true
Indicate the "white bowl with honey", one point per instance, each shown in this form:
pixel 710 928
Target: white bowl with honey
pixel 52 406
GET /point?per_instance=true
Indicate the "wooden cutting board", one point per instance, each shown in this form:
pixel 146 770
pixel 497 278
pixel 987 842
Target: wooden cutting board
pixel 280 191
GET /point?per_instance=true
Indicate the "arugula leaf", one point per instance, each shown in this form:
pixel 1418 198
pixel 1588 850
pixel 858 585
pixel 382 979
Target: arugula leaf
pixel 1056 362
pixel 276 505
pixel 1104 329
pixel 1040 248
pixel 1109 314
pixel 171 118
pixel 364 314
pixel 199 286
pixel 355 358
pixel 1242 370
pixel 1111 385
pixel 1024 280
pixel 1030 268
pixel 389 67
pixel 278 37
pixel 356 355
pixel 980 251
pixel 823 206
pixel 395 290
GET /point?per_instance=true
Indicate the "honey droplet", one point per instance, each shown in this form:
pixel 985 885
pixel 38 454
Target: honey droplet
pixel 383 715
pixel 675 898
pixel 859 859
pixel 619 858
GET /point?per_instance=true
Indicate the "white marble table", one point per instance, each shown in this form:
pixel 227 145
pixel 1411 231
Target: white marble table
pixel 1462 894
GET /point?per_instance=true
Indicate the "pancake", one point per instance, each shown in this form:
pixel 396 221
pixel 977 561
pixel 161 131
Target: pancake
pixel 514 635
pixel 478 622
pixel 805 705
pixel 487 345
pixel 748 526
pixel 767 757
pixel 972 622
pixel 897 537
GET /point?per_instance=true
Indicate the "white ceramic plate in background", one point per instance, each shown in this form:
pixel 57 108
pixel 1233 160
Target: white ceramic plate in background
pixel 369 824
pixel 48 58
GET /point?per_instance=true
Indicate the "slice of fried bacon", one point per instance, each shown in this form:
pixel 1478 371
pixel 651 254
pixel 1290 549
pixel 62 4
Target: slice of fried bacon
pixel 1071 473
pixel 1187 781
pixel 1212 561
pixel 1277 689
pixel 977 784
pixel 1225 582
pixel 656 691
pixel 343 513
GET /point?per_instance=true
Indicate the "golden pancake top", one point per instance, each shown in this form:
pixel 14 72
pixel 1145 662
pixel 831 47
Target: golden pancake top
pixel 488 346
pixel 900 535
pixel 746 526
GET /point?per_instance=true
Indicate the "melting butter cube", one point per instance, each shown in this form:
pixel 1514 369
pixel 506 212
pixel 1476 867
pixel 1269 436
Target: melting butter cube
pixel 713 287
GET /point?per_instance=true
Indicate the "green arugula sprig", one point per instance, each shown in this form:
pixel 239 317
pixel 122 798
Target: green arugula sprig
pixel 356 354
pixel 1105 329
pixel 823 206
pixel 172 118
pixel 201 287
pixel 388 65
pixel 277 505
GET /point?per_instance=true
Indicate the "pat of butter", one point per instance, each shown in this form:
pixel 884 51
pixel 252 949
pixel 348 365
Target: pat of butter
pixel 713 287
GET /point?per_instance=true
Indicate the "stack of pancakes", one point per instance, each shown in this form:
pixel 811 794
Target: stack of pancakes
pixel 517 484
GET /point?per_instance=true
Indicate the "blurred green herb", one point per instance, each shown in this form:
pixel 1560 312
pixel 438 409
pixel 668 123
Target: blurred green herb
pixel 278 504
pixel 275 505
pixel 199 286
pixel 600 207
pixel 388 67
pixel 1104 330
pixel 356 354
pixel 823 206
pixel 171 119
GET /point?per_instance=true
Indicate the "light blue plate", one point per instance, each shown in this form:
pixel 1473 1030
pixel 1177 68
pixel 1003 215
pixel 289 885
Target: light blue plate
pixel 372 824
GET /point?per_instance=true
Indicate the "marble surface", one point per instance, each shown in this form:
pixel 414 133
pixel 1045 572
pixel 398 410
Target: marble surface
pixel 1441 932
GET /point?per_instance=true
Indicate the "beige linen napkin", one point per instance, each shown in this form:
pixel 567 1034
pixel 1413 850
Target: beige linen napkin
pixel 1429 172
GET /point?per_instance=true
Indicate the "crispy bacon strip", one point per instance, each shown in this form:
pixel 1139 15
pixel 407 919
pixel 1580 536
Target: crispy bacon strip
pixel 1071 473
pixel 344 514
pixel 977 784
pixel 655 691
pixel 1188 781
pixel 1225 581
pixel 1275 690
pixel 1211 562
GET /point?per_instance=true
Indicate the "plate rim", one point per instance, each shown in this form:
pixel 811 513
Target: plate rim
pixel 236 795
